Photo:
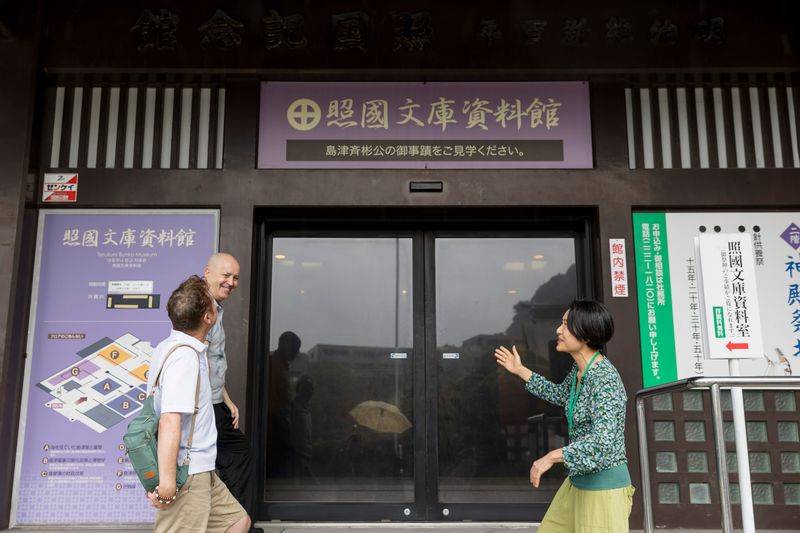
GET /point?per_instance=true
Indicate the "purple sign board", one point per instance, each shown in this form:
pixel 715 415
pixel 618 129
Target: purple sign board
pixel 101 286
pixel 425 125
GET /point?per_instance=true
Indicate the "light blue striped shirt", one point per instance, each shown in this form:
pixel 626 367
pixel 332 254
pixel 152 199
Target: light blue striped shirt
pixel 217 363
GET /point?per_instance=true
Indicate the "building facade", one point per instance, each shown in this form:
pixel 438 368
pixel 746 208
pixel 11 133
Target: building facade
pixel 379 287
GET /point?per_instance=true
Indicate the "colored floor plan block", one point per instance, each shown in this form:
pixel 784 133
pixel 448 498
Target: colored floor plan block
pixel 115 354
pixel 141 372
pixel 106 386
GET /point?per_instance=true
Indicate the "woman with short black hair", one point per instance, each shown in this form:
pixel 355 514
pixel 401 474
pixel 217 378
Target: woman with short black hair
pixel 597 494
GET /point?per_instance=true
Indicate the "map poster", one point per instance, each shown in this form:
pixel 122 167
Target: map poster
pixel 101 284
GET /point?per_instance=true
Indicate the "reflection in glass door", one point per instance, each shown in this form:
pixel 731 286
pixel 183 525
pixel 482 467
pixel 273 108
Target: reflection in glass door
pixel 492 291
pixel 382 398
pixel 340 393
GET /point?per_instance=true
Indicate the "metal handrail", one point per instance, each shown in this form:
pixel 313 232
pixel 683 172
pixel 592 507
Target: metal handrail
pixel 714 384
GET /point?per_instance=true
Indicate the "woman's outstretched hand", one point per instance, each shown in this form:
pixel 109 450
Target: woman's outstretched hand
pixel 511 361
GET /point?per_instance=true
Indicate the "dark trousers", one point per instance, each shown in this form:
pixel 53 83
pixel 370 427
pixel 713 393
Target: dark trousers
pixel 233 458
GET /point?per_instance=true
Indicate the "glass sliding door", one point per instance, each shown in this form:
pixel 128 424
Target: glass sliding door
pixel 340 414
pixel 488 292
pixel 378 395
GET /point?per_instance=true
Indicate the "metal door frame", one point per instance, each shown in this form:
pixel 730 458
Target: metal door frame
pixel 476 511
pixel 423 226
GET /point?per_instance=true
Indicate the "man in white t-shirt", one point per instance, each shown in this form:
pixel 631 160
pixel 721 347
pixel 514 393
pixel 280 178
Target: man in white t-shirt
pixel 204 502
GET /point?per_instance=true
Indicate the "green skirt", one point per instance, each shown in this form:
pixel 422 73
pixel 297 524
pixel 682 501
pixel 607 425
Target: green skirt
pixel 588 511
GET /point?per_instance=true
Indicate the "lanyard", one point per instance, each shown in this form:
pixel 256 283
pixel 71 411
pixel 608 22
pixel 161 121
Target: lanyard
pixel 573 399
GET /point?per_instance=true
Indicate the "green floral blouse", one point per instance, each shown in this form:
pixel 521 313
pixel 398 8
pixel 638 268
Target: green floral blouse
pixel 597 440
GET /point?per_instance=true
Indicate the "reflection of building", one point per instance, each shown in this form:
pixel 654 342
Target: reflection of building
pixel 370 361
pixel 345 376
pixel 507 412
pixel 536 320
pixel 362 354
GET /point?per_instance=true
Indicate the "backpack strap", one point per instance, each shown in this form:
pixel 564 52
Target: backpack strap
pixel 186 460
pixel 196 395
pixel 171 350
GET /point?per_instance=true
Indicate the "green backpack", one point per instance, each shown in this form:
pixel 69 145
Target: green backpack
pixel 141 438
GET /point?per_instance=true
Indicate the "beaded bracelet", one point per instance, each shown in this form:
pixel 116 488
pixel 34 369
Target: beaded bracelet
pixel 165 501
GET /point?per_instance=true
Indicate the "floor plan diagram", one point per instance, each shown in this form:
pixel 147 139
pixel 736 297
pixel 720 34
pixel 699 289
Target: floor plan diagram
pixel 105 386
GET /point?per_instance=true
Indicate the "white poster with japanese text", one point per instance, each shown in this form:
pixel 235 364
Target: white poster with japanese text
pixel 670 314
pixel 730 296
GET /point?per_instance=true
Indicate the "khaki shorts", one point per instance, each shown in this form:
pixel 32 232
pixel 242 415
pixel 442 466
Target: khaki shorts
pixel 204 504
pixel 588 511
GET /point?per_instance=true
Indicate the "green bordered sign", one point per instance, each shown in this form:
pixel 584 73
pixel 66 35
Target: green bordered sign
pixel 697 275
pixel 656 327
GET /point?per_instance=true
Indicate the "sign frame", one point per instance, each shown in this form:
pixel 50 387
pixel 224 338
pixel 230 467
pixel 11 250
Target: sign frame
pixel 34 312
pixel 424 125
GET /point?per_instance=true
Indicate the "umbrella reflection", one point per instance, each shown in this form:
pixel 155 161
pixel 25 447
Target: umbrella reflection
pixel 380 416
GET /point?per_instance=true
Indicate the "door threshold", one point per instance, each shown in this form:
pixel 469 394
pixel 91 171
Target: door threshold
pixel 278 525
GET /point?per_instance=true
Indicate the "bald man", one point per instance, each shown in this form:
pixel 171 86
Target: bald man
pixel 233 450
